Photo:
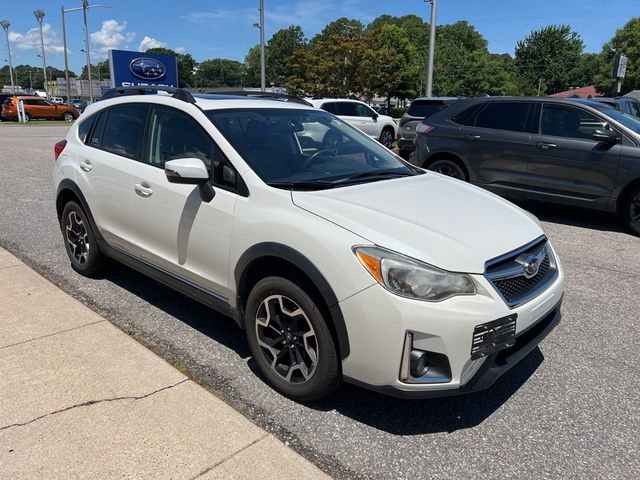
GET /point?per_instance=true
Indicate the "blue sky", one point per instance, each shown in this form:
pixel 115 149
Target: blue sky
pixel 223 28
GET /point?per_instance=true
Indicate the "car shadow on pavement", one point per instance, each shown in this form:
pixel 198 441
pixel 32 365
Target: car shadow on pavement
pixel 418 417
pixel 575 217
pixel 207 321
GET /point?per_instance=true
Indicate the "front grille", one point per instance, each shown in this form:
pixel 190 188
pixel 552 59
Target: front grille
pixel 508 276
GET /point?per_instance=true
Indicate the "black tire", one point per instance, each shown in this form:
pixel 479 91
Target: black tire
pixel 27 117
pixel 68 116
pixel 632 211
pixel 79 241
pixel 448 168
pixel 267 316
pixel 386 137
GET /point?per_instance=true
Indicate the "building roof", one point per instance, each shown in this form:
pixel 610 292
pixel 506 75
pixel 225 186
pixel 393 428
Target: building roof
pixel 582 92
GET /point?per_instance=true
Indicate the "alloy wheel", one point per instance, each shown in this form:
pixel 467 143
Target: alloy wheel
pixel 634 209
pixel 68 116
pixel 448 169
pixel 287 339
pixel 77 238
pixel 387 138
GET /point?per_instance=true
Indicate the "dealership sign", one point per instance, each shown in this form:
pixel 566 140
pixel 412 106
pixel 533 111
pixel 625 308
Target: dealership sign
pixel 136 68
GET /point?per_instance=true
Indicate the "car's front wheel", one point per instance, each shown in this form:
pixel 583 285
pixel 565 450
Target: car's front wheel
pixel 79 241
pixel 386 137
pixel 68 116
pixel 290 340
pixel 632 211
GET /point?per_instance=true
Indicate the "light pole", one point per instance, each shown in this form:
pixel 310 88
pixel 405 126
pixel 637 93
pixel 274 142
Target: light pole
pixel 5 25
pixel 39 14
pixel 260 26
pixel 84 7
pixel 432 45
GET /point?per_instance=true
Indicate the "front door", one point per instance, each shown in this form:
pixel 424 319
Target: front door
pixel 568 165
pixel 180 233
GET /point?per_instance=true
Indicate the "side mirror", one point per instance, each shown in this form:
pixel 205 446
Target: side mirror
pixel 190 171
pixel 186 170
pixel 605 136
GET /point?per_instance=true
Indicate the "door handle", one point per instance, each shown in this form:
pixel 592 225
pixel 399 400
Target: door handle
pixel 472 137
pixel 85 166
pixel 143 189
pixel 546 146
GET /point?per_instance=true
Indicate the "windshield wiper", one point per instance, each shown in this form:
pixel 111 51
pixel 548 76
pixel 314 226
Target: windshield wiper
pixel 303 184
pixel 375 174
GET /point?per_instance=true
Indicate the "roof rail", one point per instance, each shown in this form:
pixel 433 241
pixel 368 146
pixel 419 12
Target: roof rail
pixel 178 93
pixel 266 95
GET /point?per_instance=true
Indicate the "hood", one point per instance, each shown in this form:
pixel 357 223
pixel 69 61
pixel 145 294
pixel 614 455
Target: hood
pixel 445 222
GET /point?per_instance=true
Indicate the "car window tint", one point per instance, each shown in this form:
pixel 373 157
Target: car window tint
pixel 424 109
pixel 347 109
pixel 562 121
pixel 96 136
pixel 123 130
pixel 363 110
pixel 504 116
pixel 29 101
pixel 85 127
pixel 467 117
pixel 329 107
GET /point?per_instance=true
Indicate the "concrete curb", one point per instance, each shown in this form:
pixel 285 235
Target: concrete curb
pixel 81 399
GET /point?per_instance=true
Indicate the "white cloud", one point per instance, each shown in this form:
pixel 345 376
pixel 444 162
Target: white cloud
pixel 150 42
pixel 111 36
pixel 31 40
pixel 217 18
pixel 180 49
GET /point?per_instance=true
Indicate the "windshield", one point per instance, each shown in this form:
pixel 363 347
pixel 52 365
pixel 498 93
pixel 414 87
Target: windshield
pixel 625 119
pixel 306 149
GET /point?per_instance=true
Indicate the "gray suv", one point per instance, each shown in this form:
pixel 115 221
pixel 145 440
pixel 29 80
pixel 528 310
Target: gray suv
pixel 573 152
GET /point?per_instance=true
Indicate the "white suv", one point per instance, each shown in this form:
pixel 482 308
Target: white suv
pixel 380 127
pixel 340 263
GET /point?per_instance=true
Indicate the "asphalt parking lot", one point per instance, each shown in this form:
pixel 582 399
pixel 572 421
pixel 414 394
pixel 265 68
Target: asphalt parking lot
pixel 571 409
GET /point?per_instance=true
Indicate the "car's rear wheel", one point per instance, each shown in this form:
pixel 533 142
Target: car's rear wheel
pixel 405 154
pixel 27 117
pixel 632 211
pixel 448 168
pixel 290 340
pixel 68 116
pixel 80 243
pixel 386 137
pixel 331 141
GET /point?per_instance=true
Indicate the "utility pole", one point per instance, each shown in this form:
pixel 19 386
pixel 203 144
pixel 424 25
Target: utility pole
pixel 66 61
pixel 85 5
pixel 39 14
pixel 432 45
pixel 5 25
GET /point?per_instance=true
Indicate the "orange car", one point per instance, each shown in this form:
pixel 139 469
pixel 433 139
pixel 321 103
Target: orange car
pixel 36 107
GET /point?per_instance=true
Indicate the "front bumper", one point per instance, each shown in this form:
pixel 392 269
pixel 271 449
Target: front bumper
pixel 378 321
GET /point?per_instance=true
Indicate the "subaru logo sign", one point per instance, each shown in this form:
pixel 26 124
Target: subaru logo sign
pixel 147 68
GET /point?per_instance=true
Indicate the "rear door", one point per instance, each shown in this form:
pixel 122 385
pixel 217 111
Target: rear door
pixel 568 165
pixel 358 115
pixel 113 148
pixel 497 146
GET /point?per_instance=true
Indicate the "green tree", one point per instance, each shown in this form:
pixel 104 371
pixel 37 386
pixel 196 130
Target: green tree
pixel 186 65
pixel 219 72
pixel 252 67
pixel 626 40
pixel 279 49
pixel 342 27
pixel 99 71
pixel 551 54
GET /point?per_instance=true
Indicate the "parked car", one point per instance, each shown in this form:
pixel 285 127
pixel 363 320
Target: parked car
pixel 3 98
pixel 628 105
pixel 79 104
pixel 420 108
pixel 566 151
pixel 380 127
pixel 36 107
pixel 327 258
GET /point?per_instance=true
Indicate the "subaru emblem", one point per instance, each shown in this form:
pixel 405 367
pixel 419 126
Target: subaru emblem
pixel 147 68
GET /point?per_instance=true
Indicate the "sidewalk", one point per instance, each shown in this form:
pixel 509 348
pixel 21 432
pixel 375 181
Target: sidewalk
pixel 81 399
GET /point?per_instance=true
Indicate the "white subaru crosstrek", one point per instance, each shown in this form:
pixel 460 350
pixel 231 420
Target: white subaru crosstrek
pixel 379 127
pixel 341 263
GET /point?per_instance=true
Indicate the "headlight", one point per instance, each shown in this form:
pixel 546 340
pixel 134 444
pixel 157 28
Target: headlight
pixel 413 279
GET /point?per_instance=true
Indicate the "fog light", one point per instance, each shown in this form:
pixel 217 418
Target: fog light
pixel 418 362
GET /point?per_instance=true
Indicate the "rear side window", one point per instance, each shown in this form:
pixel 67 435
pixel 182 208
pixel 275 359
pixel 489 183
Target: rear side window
pixel 330 107
pixel 96 135
pixel 423 109
pixel 85 128
pixel 347 109
pixel 504 116
pixel 123 130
